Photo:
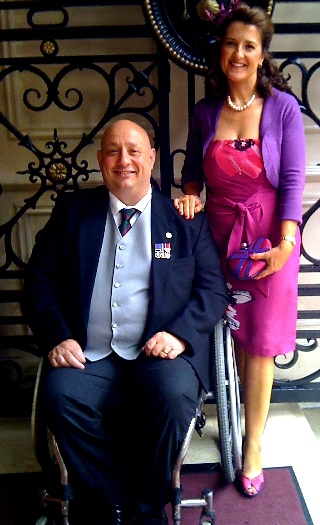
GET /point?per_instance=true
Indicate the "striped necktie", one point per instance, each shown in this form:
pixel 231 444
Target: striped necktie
pixel 126 214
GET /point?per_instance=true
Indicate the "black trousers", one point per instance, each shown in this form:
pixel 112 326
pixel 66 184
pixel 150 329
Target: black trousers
pixel 120 424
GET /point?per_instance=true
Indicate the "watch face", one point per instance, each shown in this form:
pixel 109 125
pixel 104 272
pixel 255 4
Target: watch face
pixel 183 33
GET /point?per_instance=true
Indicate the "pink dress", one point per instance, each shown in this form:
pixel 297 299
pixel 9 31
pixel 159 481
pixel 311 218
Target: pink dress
pixel 242 206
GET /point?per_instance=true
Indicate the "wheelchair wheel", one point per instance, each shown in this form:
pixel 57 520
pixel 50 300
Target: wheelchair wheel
pixel 228 403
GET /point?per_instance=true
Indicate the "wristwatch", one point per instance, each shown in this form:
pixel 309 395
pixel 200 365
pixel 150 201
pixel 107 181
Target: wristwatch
pixel 289 238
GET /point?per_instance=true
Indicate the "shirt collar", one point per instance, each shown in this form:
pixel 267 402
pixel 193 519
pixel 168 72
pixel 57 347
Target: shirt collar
pixel 116 204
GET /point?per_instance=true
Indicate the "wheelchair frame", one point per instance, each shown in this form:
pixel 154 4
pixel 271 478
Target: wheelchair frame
pixel 226 396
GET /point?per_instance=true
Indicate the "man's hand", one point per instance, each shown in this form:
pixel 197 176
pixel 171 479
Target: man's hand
pixel 164 345
pixel 68 353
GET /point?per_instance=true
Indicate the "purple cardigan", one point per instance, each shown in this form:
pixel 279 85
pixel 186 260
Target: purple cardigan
pixel 283 147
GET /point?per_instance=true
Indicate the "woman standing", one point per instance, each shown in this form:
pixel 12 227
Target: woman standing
pixel 246 143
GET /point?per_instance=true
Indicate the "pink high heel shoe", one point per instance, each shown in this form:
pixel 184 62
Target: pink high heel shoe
pixel 247 483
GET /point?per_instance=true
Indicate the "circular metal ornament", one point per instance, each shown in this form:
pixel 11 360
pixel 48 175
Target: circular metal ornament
pixel 186 37
pixel 49 47
pixel 57 171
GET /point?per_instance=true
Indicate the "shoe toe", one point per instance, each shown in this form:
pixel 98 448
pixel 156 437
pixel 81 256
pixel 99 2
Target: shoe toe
pixel 247 484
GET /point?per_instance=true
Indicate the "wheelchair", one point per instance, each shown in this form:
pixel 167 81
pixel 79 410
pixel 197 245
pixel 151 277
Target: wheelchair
pixel 56 492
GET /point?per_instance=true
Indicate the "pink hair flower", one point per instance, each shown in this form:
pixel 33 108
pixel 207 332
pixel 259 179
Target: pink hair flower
pixel 207 10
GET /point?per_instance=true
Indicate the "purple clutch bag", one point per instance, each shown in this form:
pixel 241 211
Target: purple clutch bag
pixel 244 268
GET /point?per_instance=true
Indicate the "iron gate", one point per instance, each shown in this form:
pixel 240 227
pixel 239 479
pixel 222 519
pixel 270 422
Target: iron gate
pixel 137 84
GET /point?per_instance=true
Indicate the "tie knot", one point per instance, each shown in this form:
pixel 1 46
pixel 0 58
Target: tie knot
pixel 126 214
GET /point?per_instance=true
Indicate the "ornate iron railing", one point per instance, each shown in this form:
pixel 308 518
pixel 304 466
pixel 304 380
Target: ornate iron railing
pixel 60 164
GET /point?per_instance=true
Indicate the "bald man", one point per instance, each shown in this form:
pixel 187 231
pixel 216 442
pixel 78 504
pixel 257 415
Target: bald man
pixel 122 295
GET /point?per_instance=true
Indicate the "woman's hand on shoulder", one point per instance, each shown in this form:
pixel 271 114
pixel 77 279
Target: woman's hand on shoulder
pixel 188 205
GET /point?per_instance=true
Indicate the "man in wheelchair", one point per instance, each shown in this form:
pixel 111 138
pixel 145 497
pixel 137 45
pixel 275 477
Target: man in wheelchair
pixel 123 304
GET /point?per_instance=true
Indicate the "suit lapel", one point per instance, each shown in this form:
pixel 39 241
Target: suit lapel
pixel 90 241
pixel 162 231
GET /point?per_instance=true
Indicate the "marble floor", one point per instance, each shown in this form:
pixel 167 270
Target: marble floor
pixel 292 437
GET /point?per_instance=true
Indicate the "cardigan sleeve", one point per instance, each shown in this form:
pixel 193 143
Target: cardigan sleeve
pixel 292 163
pixel 202 127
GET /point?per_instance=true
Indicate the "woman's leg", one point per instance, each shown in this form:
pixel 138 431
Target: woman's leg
pixel 256 375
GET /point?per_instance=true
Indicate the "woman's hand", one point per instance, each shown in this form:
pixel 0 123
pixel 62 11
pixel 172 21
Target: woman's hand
pixel 276 258
pixel 188 205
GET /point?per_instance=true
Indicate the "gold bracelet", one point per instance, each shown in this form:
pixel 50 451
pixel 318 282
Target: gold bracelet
pixel 289 238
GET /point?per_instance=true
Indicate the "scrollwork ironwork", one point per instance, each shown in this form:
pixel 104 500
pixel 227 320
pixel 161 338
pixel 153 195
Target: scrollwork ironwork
pixel 40 8
pixel 306 77
pixel 307 216
pixel 57 167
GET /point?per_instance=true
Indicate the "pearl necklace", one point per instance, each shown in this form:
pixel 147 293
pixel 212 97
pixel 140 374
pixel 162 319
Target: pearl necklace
pixel 240 108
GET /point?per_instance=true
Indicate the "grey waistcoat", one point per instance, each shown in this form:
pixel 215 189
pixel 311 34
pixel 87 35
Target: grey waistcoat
pixel 120 299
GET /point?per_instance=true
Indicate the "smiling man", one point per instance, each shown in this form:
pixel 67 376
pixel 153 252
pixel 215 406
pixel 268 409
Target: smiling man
pixel 122 295
pixel 126 160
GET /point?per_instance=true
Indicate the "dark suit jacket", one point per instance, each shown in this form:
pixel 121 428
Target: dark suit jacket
pixel 188 292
